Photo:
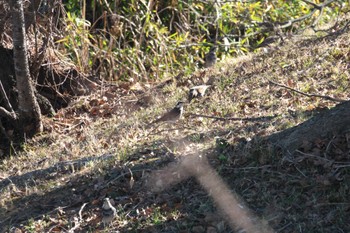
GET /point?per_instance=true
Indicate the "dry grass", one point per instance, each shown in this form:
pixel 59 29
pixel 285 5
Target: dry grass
pixel 42 192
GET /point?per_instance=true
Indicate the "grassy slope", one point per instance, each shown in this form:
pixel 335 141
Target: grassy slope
pixel 41 193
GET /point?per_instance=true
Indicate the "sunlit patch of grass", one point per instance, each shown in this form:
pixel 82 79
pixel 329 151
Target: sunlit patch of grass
pixel 170 88
pixel 123 154
pixel 342 82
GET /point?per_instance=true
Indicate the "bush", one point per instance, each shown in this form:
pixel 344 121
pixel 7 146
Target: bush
pixel 136 40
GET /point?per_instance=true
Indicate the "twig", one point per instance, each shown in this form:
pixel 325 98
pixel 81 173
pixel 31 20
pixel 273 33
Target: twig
pixel 319 7
pixel 6 102
pixel 79 221
pixel 318 17
pixel 8 114
pixel 77 224
pixel 290 22
pixel 81 210
pixel 306 94
pixel 341 165
pixel 300 171
pixel 316 7
pixel 132 180
pixel 328 204
pixel 263 118
pixel 284 227
pixel 122 175
pixel 108 7
pixel 328 146
pixel 314 156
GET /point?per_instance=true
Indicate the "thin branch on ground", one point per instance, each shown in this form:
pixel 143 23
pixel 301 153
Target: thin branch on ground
pixel 333 162
pixel 81 210
pixel 306 94
pixel 78 221
pixel 263 118
pixel 122 175
pixel 76 226
pixel 306 155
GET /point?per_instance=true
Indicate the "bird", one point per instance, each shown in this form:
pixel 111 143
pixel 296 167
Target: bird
pixel 173 115
pixel 108 211
pixel 197 91
pixel 210 57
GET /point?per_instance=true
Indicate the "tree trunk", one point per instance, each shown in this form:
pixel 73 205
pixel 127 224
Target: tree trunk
pixel 328 123
pixel 28 108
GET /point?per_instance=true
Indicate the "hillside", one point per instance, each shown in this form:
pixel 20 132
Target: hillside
pixel 164 177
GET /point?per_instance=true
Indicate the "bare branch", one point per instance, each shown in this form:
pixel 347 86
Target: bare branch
pixel 316 7
pixel 306 94
pixel 80 212
pixel 7 102
pixel 290 22
pixel 9 115
pixel 318 18
pixel 263 118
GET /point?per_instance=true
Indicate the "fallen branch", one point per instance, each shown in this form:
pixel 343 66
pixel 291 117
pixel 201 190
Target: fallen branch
pixel 263 118
pixel 306 94
pixel 122 175
pixel 80 212
pixel 78 221
pixel 76 226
